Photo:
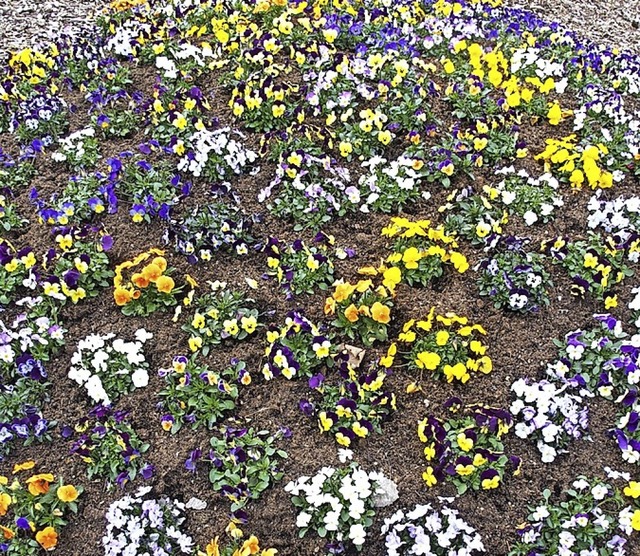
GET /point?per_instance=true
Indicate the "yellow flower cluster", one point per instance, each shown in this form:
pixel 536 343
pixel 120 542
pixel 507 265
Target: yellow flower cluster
pixel 579 164
pixel 248 547
pixel 439 244
pixel 443 343
pixel 344 291
pixel 493 67
pixel 33 65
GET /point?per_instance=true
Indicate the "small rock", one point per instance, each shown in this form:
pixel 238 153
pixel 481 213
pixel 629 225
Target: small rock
pixel 387 492
pixel 196 504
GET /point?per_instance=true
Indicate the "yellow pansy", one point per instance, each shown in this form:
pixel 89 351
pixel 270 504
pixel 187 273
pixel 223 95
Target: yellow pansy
pixel 427 360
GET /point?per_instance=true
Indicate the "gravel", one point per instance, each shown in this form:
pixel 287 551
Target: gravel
pixel 612 23
pixel 29 22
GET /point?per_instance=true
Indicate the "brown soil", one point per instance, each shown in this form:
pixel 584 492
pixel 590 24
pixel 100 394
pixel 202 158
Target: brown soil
pixel 519 346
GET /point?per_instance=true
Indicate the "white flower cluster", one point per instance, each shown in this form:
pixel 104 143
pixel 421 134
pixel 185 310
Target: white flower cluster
pixel 620 214
pixel 531 57
pixel 27 336
pixel 602 105
pixel 430 532
pixel 136 525
pixel 326 498
pixel 184 51
pixel 564 528
pixel 108 366
pixel 124 40
pixel 550 414
pixel 216 152
pixel 540 194
pixel 72 148
pixel 388 180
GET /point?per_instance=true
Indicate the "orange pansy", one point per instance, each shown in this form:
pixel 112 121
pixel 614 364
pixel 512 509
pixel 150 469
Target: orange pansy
pixel 47 538
pixel 39 484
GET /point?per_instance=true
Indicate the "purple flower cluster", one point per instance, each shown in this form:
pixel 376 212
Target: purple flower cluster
pixel 467 449
pixel 218 226
pixel 25 344
pixel 42 117
pixel 109 446
pixel 298 348
pixel 348 403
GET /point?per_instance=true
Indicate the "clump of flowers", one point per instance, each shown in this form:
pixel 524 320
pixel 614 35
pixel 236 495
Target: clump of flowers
pixel 243 463
pixel 336 504
pixel 595 265
pixel 116 115
pixel 533 199
pixel 600 360
pixel 153 190
pixel 30 338
pixel 513 278
pixel 78 150
pixel 349 404
pixel 445 344
pixel 420 252
pixel 261 104
pixel 79 268
pixel 300 268
pixel 309 190
pixel 110 446
pixel 577 164
pixel 15 174
pixel 216 155
pixel 236 545
pixel 16 269
pixel 141 290
pixel 298 348
pixel 551 415
pixel 141 524
pixel 26 344
pixel 467 449
pixel 198 396
pixel 221 315
pixel 585 522
pixel 473 216
pixel 615 216
pixel 108 366
pixel 217 226
pixel 388 186
pixel 33 511
pixel 42 116
pixel 428 530
pixel 361 310
pixel 85 196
